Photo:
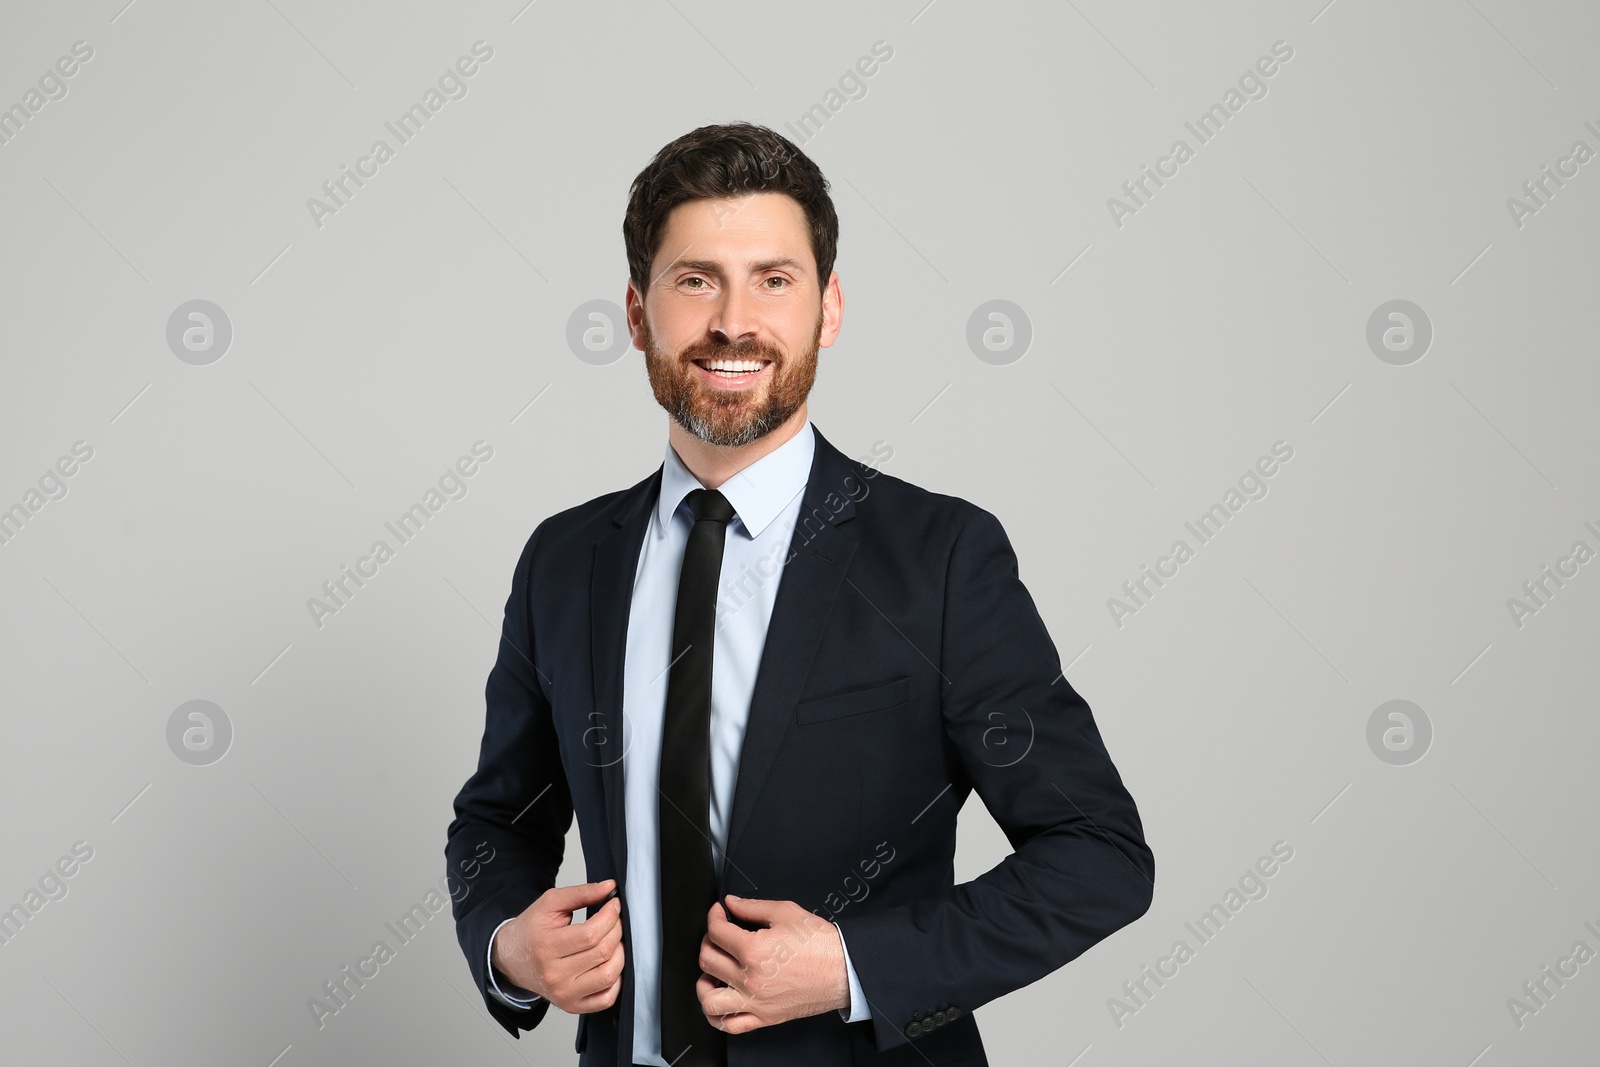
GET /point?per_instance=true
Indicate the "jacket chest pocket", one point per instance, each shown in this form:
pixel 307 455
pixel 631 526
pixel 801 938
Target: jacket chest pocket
pixel 881 696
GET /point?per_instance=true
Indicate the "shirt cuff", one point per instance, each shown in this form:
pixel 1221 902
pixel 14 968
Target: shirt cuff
pixel 513 995
pixel 859 1010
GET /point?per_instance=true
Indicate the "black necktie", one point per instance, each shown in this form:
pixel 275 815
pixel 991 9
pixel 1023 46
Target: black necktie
pixel 688 874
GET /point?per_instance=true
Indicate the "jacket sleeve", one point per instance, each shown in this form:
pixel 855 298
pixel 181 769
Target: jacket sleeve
pixel 504 847
pixel 1079 869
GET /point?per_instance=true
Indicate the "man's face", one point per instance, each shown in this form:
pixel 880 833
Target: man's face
pixel 733 316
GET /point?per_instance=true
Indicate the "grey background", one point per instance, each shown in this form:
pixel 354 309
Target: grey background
pixel 1168 354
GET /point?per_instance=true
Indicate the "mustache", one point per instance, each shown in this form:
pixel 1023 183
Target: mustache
pixel 710 349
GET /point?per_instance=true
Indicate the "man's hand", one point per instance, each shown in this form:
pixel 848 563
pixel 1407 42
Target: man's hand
pixel 754 978
pixel 575 966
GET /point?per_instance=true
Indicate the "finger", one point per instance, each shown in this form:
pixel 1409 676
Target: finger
pixel 598 979
pixel 580 937
pixel 717 962
pixel 740 1022
pixel 568 938
pixel 735 939
pixel 564 900
pixel 703 987
pixel 718 1000
pixel 582 960
pixel 752 910
pixel 599 1001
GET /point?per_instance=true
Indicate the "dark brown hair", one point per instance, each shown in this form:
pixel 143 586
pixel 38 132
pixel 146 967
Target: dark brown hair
pixel 714 162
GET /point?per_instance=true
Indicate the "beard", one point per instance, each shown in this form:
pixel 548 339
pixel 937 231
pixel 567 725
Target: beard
pixel 730 417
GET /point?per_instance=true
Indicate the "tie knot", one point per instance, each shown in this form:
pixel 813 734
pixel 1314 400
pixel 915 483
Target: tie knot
pixel 708 504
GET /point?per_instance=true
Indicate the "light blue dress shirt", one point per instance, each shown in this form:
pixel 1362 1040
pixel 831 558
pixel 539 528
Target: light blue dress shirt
pixel 766 499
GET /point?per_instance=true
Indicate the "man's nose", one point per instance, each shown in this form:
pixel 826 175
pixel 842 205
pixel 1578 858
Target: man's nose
pixel 733 319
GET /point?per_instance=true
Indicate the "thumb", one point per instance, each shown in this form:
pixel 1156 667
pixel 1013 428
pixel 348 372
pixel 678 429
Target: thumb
pixel 562 901
pixel 750 908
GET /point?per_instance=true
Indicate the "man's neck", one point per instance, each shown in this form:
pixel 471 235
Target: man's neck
pixel 715 464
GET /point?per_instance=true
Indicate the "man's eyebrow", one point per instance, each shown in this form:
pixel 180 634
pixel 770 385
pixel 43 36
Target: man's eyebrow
pixel 774 264
pixel 711 266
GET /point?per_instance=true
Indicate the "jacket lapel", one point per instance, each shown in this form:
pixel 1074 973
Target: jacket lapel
pixel 819 556
pixel 616 558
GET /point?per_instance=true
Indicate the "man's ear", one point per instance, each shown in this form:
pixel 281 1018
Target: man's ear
pixel 832 311
pixel 633 309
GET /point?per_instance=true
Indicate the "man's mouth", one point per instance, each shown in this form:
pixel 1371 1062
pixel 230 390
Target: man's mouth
pixel 733 371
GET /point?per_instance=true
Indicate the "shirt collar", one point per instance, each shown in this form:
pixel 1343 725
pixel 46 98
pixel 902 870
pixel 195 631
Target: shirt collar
pixel 758 493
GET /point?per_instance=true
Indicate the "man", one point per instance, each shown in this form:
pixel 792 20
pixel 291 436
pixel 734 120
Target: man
pixel 765 679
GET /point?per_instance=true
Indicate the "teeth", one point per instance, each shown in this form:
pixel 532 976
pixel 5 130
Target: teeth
pixel 739 366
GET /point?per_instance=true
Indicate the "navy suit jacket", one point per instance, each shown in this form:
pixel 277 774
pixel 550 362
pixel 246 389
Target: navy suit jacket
pixel 905 666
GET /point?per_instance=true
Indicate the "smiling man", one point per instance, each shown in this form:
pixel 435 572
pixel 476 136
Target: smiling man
pixel 765 679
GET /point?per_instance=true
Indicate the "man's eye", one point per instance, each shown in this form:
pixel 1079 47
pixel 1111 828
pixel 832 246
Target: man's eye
pixel 780 280
pixel 686 281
